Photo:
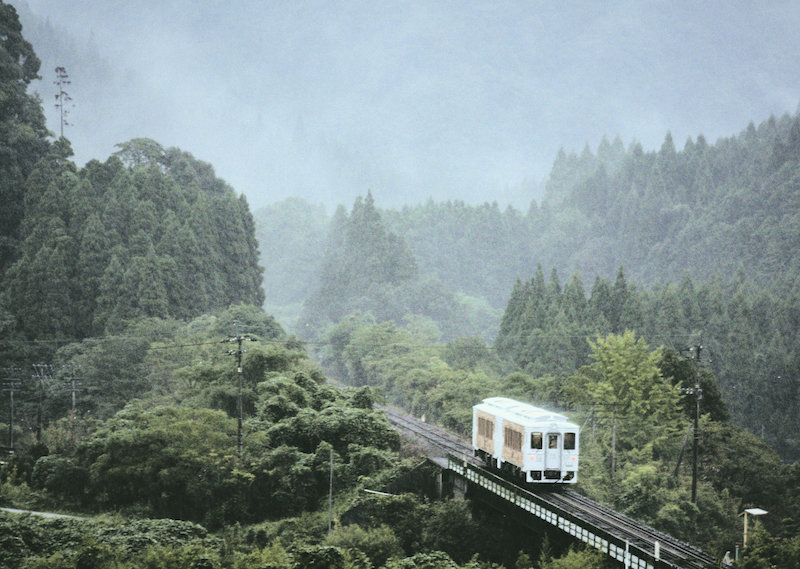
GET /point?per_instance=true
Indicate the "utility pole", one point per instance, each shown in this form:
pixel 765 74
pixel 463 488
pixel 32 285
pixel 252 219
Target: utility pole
pixel 10 386
pixel 614 443
pixel 330 497
pixel 75 383
pixel 238 338
pixel 62 97
pixel 698 395
pixel 41 372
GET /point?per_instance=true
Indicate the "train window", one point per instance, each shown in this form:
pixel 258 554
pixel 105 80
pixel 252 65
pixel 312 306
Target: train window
pixel 552 441
pixel 485 428
pixel 536 440
pixel 569 441
pixel 512 439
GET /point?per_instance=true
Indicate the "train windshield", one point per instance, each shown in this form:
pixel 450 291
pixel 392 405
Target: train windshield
pixel 536 441
pixel 569 441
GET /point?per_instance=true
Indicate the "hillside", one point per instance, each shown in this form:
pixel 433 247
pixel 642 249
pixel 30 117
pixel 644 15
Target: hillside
pixel 704 238
pixel 727 211
pixel 122 281
pixel 151 232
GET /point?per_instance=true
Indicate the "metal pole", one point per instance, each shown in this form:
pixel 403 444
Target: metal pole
pixel 697 396
pixel 11 424
pixel 330 497
pixel 239 338
pixel 239 398
pixel 614 443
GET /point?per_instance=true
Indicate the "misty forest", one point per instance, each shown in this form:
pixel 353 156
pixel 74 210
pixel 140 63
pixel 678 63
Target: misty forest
pixel 183 373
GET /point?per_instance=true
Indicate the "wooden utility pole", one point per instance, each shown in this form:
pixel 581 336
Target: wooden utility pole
pixel 41 372
pixel 238 338
pixel 11 386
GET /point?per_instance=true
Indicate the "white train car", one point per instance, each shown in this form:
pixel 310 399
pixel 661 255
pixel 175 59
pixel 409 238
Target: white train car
pixel 528 443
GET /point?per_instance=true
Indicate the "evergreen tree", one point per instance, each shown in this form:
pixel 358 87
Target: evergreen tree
pixel 118 249
pixel 363 261
pixel 40 283
pixel 23 134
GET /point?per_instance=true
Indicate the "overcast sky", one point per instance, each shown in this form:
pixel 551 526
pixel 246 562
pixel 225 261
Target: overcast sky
pixel 416 99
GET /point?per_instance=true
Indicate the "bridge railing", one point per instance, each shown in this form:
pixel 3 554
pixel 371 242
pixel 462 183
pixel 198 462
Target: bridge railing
pixel 627 553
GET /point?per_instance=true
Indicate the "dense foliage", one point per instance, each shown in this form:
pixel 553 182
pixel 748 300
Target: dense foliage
pixel 634 420
pixel 393 532
pixel 545 324
pixel 150 232
pixel 23 134
pixel 127 274
pixel 173 452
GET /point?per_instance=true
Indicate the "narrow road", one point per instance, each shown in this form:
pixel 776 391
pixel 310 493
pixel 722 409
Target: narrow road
pixel 41 514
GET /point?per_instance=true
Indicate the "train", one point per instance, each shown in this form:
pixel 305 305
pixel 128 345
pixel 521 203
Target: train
pixel 525 443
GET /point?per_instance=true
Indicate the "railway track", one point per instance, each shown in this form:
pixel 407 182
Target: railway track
pixel 674 551
pixel 431 435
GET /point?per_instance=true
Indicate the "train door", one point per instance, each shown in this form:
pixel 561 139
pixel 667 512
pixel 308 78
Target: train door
pixel 552 459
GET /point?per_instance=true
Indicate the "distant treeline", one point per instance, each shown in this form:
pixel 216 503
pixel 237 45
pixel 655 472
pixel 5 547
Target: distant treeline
pixel 727 211
pixel 707 237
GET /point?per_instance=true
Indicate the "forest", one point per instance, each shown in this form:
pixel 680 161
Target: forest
pixel 682 247
pixel 183 378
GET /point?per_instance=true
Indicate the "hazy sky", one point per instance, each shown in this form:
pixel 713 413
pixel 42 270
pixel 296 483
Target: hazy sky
pixel 416 99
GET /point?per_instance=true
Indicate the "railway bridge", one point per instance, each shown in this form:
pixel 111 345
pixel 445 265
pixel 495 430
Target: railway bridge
pixel 622 538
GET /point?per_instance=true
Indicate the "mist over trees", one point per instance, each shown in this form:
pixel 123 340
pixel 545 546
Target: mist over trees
pixel 367 269
pixel 291 238
pixel 474 108
pixel 723 211
pixel 131 271
pixel 675 244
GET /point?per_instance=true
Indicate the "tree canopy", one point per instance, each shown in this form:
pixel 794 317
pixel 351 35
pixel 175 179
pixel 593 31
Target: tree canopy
pixel 23 133
pixel 103 245
pixel 368 269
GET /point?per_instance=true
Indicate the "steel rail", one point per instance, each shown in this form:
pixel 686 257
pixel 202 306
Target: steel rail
pixel 674 552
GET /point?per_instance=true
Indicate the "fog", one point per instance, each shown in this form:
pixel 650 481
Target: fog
pixel 410 99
